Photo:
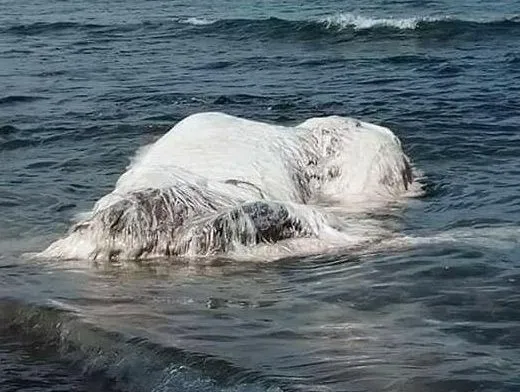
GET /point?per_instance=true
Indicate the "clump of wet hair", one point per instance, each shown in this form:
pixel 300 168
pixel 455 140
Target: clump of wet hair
pixel 185 220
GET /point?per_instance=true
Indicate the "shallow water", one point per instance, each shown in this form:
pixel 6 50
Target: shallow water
pixel 86 84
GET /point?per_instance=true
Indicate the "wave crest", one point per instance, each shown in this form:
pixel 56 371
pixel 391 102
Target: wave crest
pixel 358 22
pixel 351 23
pixel 346 25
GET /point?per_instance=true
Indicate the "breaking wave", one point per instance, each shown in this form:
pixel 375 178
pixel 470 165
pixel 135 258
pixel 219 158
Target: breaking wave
pixel 336 21
pixel 358 22
pixel 349 24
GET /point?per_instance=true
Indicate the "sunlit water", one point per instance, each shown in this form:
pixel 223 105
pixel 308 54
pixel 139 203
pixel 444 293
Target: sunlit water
pixel 85 84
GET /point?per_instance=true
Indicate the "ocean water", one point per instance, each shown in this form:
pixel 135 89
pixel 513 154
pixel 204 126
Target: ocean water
pixel 86 83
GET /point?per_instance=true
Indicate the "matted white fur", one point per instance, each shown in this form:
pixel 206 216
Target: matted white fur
pixel 217 183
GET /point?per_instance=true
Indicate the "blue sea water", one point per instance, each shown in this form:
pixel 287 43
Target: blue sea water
pixel 84 84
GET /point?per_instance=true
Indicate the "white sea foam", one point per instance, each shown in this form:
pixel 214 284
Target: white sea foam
pixel 197 21
pixel 504 237
pixel 358 22
pixel 221 184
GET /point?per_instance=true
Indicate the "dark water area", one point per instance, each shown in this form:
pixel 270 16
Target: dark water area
pixel 85 84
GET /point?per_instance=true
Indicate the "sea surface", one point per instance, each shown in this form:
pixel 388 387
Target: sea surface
pixel 84 84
